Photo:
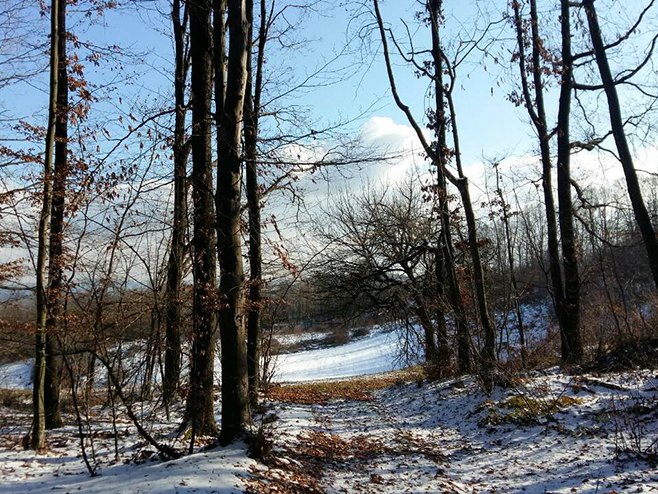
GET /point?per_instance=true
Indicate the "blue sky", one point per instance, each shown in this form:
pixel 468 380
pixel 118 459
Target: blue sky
pixel 490 126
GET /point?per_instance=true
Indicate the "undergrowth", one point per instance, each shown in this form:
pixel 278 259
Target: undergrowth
pixel 359 389
pixel 522 409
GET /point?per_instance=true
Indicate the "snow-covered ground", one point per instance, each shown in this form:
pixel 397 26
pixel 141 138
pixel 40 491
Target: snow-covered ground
pixel 551 433
pixel 547 433
pixel 379 352
pixel 61 470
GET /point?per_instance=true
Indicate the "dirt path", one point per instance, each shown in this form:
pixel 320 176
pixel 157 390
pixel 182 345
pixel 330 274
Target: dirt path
pixel 351 446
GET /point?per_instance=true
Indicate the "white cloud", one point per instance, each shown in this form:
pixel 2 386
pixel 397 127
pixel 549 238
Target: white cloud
pixel 399 141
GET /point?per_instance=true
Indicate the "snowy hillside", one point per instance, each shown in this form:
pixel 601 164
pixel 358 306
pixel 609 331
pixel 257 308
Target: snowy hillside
pixel 379 352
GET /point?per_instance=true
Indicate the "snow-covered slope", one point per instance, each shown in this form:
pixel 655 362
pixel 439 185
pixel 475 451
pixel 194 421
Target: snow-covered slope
pixel 378 352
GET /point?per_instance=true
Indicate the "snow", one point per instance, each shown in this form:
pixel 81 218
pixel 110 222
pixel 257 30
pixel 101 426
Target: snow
pixel 587 434
pixel 17 375
pixel 435 439
pixel 218 471
pixel 380 352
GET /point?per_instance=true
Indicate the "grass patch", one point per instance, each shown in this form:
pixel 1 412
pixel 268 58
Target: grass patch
pixel 358 389
pixel 521 409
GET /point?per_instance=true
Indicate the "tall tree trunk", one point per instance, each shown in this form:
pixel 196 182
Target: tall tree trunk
pixel 625 156
pixel 200 402
pixel 252 111
pixel 171 378
pixel 235 388
pixel 536 109
pixel 36 439
pixel 537 112
pixel 488 353
pixel 448 255
pixel 569 308
pixel 54 363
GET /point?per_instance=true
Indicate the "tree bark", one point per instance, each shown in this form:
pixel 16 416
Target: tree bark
pixel 54 363
pixel 36 438
pixel 235 388
pixel 171 378
pixel 252 111
pixel 569 307
pixel 625 156
pixel 200 399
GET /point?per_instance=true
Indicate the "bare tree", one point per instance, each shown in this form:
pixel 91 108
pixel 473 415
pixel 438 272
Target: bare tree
pixel 177 251
pixel 565 283
pixel 232 313
pixel 609 84
pixel 37 437
pixel 505 216
pixel 200 398
pixel 380 256
pixel 446 257
pixel 252 110
pixel 460 181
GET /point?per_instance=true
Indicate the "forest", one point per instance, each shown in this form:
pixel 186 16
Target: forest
pixel 347 246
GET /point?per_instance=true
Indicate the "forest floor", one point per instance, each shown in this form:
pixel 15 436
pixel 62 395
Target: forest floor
pixel 392 433
pixel 549 432
pixel 542 432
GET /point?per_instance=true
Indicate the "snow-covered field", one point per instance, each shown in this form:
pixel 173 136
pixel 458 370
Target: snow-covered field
pixel 379 352
pixel 547 432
